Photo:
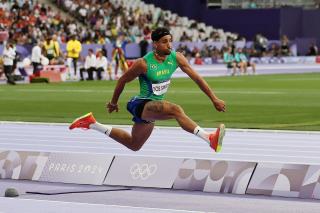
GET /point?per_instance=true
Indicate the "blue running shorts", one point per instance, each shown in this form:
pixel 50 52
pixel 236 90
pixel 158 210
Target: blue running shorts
pixel 135 107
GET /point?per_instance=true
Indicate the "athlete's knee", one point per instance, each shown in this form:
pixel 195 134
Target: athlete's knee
pixel 176 110
pixel 135 147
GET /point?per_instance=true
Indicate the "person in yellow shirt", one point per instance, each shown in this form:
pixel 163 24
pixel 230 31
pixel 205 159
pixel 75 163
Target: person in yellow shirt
pixel 49 49
pixel 59 58
pixel 56 46
pixel 73 52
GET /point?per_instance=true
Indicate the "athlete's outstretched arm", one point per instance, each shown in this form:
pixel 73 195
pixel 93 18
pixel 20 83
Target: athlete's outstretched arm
pixel 139 67
pixel 185 67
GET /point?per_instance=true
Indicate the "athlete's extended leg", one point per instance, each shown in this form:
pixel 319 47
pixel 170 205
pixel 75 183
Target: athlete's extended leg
pixel 163 110
pixel 139 134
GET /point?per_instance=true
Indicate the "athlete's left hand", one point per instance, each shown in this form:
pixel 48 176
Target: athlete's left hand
pixel 112 107
pixel 219 105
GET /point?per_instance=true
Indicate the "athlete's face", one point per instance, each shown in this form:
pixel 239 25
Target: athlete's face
pixel 164 45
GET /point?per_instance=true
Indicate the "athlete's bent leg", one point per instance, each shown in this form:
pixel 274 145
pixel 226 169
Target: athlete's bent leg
pixel 164 110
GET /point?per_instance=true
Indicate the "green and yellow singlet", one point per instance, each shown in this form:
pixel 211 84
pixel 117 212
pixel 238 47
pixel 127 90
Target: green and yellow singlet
pixel 154 84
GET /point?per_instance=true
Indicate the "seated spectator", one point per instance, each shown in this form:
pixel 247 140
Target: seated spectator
pixel 89 65
pixel 242 61
pixel 228 59
pixel 101 65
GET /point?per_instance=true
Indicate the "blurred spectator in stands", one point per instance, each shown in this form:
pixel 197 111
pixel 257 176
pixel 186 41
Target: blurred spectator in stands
pixel 284 46
pixel 215 55
pixel 58 52
pixel 109 67
pixel 185 51
pixel 205 51
pixel 242 61
pixel 252 4
pixel 8 55
pixel 274 50
pixel 195 51
pixel 198 59
pixel 144 43
pixel 229 60
pixel 184 37
pixel 101 65
pixel 118 56
pixel 74 48
pixel 89 65
pixel 36 57
pixel 313 50
pixel 1 67
pixel 17 56
pixel 260 44
pixel 49 49
pixel 143 47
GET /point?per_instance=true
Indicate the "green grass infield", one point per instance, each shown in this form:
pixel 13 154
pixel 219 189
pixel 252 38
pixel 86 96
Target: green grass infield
pixel 290 102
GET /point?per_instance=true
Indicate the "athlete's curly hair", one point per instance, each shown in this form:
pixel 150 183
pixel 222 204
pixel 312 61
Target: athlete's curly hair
pixel 159 33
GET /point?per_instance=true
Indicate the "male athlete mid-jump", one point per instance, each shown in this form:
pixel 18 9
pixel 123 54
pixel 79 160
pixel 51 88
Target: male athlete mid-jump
pixel 154 71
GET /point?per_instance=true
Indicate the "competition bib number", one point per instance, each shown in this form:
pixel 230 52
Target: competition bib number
pixel 160 88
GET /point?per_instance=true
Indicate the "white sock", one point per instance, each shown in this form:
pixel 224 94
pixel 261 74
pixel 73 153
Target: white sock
pixel 201 133
pixel 105 129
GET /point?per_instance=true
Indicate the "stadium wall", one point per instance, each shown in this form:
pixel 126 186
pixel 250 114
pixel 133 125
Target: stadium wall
pixel 236 177
pixel 294 22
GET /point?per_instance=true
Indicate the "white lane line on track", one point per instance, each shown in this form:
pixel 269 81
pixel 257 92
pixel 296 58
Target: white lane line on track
pixel 109 144
pixel 197 143
pixel 183 142
pixel 17 124
pixel 156 151
pixel 165 142
pixel 157 134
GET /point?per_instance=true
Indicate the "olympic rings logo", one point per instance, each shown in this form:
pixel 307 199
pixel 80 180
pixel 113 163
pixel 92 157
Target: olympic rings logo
pixel 143 171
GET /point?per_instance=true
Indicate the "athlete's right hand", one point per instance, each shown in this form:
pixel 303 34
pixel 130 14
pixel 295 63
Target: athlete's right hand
pixel 112 107
pixel 219 105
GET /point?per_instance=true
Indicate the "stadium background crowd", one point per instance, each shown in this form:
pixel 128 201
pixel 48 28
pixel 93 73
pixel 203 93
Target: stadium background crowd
pixel 118 23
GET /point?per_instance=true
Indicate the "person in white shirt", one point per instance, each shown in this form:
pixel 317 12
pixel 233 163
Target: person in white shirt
pixel 36 57
pixel 89 65
pixel 8 57
pixel 101 64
